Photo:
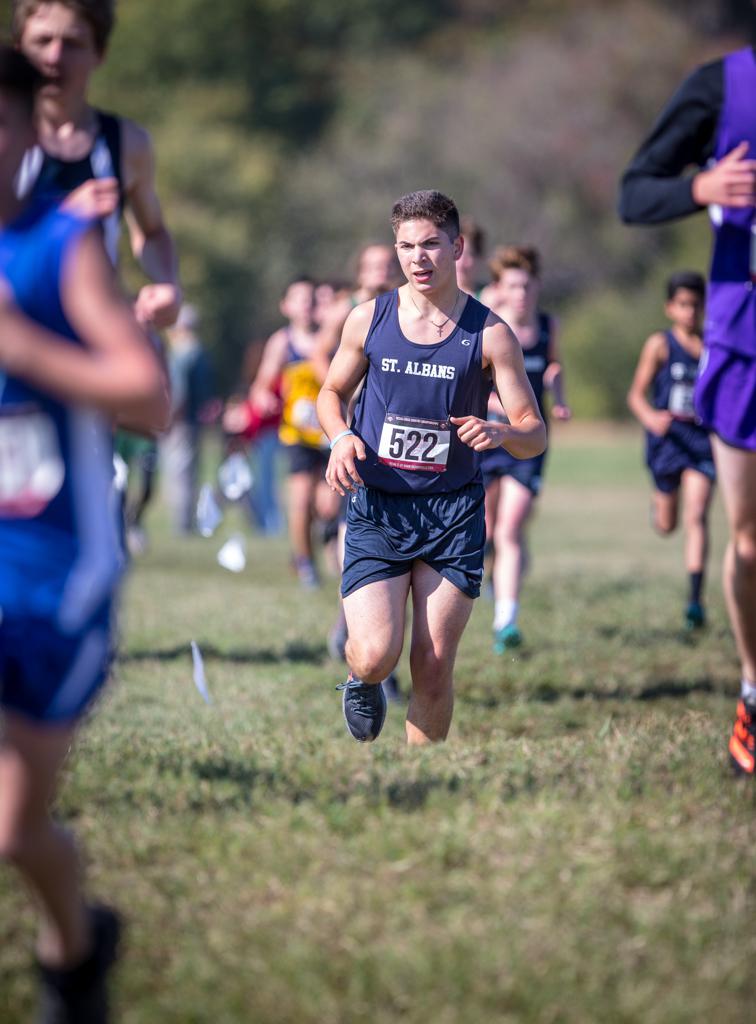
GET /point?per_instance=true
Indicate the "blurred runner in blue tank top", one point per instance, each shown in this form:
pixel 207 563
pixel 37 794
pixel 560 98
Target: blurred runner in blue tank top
pixel 429 355
pixel 678 450
pixel 512 485
pixel 710 124
pixel 72 357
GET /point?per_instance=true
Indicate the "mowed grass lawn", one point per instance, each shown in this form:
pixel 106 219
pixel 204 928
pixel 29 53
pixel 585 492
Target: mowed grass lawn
pixel 577 851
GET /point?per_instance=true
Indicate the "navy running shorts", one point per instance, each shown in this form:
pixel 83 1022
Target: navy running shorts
pixel 304 459
pixel 386 533
pixel 50 676
pixel 498 462
pixel 684 446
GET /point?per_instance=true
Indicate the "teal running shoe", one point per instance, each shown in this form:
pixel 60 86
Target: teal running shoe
pixel 695 616
pixel 506 639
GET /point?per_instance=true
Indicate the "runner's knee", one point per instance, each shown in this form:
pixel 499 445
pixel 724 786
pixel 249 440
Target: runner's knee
pixel 369 661
pixel 430 669
pixel 17 839
pixel 664 521
pixel 744 542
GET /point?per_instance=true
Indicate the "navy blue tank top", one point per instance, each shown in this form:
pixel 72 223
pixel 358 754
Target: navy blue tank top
pixel 59 546
pixel 537 359
pixel 49 177
pixel 410 391
pixel 673 385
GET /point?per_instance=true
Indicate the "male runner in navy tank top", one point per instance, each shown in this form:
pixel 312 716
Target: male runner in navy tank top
pixel 512 485
pixel 415 521
pixel 72 356
pixel 711 122
pixel 103 166
pixel 678 450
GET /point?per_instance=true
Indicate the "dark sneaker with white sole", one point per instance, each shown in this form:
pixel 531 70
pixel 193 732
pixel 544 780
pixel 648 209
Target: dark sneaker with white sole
pixel 364 707
pixel 79 995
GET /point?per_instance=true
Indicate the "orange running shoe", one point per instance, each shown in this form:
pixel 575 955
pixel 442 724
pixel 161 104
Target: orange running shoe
pixel 743 740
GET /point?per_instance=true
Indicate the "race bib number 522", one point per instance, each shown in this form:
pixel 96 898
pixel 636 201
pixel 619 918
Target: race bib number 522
pixel 411 443
pixel 31 467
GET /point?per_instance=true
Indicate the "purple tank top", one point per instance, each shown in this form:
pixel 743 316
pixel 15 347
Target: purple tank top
pixel 731 300
pixel 410 392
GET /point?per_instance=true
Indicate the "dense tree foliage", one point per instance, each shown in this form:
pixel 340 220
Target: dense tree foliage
pixel 284 128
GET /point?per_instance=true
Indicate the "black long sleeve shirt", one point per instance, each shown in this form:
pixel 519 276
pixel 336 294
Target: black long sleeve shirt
pixel 654 188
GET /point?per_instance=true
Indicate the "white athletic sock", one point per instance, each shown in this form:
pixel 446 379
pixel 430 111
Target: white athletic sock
pixel 748 691
pixel 505 613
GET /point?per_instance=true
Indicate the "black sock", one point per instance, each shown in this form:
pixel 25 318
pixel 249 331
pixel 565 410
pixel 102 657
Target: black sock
pixel 696 583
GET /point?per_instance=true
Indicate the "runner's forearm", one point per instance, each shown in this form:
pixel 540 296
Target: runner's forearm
pixel 157 257
pixel 330 412
pixel 129 384
pixel 525 441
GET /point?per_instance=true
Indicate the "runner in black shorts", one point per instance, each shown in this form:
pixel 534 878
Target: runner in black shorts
pixel 678 450
pixel 286 380
pixel 415 523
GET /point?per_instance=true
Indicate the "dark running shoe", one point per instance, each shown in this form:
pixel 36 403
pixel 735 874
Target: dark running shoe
pixel 392 690
pixel 364 707
pixel 79 995
pixel 695 616
pixel 743 740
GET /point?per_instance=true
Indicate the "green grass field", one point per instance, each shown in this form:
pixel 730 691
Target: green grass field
pixel 577 851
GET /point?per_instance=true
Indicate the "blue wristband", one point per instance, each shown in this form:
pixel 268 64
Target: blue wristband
pixel 344 433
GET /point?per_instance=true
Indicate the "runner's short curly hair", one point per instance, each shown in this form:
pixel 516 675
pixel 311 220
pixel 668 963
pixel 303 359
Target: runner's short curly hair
pixel 100 14
pixel 515 257
pixel 427 204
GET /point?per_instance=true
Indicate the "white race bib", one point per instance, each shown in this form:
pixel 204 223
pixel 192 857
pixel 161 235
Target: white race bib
pixel 31 468
pixel 411 443
pixel 681 400
pixel 304 414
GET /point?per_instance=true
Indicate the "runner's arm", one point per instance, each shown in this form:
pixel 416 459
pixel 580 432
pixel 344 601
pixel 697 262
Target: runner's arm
pixel 262 392
pixel 652 358
pixel 655 187
pixel 525 434
pixel 553 377
pixel 328 336
pixel 347 369
pixel 151 243
pixel 115 370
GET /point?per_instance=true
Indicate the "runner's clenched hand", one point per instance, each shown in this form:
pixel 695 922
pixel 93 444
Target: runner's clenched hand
pixel 478 434
pixel 342 474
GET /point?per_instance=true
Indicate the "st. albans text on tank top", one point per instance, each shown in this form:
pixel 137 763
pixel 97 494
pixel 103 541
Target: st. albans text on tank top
pixel 411 442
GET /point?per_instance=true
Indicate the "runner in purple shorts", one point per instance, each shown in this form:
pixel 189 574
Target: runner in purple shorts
pixel 711 122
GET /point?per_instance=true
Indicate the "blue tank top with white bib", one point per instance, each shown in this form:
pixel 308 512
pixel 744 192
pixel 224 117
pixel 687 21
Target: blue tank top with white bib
pixel 59 547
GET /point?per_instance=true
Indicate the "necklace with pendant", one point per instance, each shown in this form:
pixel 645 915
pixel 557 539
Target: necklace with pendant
pixel 439 327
